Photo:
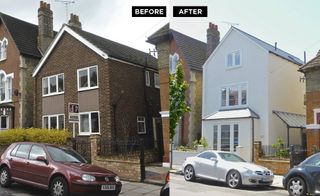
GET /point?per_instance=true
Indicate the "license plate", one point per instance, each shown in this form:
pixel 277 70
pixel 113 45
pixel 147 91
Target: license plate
pixel 107 187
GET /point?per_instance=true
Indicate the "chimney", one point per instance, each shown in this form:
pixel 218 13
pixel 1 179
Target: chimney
pixel 45 26
pixel 318 53
pixel 74 21
pixel 213 38
pixel 275 45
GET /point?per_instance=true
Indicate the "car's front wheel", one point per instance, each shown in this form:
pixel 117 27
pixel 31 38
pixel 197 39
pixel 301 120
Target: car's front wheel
pixel 5 177
pixel 59 187
pixel 189 174
pixel 297 186
pixel 234 179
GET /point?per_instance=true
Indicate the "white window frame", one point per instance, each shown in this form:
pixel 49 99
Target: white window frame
pixel 231 139
pixel 315 112
pixel 173 61
pixel 90 125
pixel 233 54
pixel 3 53
pixel 6 87
pixel 144 124
pixel 49 121
pixel 7 119
pixel 57 85
pixel 88 78
pixel 238 85
pixel 156 80
pixel 147 78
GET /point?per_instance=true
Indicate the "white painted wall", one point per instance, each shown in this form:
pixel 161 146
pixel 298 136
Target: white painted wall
pixel 254 61
pixel 286 93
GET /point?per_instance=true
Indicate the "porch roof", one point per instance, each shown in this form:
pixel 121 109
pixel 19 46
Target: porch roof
pixel 232 114
pixel 292 120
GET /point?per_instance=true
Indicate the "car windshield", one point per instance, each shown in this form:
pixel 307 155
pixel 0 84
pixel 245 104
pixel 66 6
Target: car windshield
pixel 65 155
pixel 230 157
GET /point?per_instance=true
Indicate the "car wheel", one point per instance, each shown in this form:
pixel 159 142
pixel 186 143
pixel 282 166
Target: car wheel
pixel 297 186
pixel 189 174
pixel 59 187
pixel 234 179
pixel 5 177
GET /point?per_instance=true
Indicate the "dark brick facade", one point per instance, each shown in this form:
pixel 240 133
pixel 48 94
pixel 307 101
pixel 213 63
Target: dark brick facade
pixel 121 86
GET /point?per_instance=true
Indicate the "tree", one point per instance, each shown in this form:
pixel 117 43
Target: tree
pixel 178 104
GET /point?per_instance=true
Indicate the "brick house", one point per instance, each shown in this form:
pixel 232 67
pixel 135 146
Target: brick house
pixel 173 46
pixel 116 87
pixel 311 71
pixel 21 48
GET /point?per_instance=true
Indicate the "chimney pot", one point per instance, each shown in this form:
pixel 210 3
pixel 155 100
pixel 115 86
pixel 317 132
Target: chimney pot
pixel 74 21
pixel 213 38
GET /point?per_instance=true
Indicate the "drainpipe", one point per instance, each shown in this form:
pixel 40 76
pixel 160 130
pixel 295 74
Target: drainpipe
pixel 252 140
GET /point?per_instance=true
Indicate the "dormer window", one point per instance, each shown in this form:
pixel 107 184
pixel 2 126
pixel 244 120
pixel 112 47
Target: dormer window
pixel 3 49
pixel 233 59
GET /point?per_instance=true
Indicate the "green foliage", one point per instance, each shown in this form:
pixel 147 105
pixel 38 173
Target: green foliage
pixel 202 141
pixel 59 137
pixel 281 150
pixel 178 105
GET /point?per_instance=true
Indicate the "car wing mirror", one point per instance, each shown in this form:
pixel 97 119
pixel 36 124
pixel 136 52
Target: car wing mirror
pixel 214 159
pixel 42 159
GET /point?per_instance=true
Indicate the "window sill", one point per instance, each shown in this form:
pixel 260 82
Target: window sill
pixel 234 107
pixel 53 94
pixel 88 134
pixel 87 88
pixel 6 101
pixel 142 133
pixel 233 67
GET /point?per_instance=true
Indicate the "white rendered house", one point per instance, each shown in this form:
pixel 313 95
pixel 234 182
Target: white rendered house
pixel 251 92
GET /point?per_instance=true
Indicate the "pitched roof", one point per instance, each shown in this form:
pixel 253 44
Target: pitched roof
pixel 119 51
pixel 24 35
pixel 232 114
pixel 291 119
pixel 103 47
pixel 313 63
pixel 271 48
pixel 193 50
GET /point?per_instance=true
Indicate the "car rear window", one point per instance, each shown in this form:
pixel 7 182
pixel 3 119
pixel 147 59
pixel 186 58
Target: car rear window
pixel 23 151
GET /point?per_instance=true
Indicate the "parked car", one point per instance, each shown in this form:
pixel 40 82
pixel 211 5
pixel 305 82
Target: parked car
pixel 226 167
pixel 165 190
pixel 304 179
pixel 57 169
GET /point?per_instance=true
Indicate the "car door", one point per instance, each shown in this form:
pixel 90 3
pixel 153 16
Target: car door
pixel 39 170
pixel 313 168
pixel 207 167
pixel 18 162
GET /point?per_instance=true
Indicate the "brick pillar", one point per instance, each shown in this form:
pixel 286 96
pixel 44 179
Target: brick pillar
pixel 257 151
pixel 94 139
pixel 166 140
pixel 313 140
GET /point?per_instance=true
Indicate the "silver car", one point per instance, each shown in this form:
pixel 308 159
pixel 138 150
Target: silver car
pixel 226 167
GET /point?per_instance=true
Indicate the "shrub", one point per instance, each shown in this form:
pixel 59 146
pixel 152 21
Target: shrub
pixel 202 141
pixel 281 150
pixel 59 137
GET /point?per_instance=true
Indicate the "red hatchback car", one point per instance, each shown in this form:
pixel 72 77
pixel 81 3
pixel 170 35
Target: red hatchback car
pixel 60 170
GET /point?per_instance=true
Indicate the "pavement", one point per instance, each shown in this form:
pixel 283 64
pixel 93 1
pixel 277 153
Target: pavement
pixel 277 181
pixel 156 174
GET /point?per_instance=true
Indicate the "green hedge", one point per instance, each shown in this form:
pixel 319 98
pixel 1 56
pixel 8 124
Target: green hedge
pixel 52 136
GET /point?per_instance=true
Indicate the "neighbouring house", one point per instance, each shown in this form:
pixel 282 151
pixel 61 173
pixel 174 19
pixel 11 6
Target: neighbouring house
pixel 114 88
pixel 21 48
pixel 173 46
pixel 251 92
pixel 311 71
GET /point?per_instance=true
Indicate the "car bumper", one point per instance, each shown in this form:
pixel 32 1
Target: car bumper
pixel 88 187
pixel 257 180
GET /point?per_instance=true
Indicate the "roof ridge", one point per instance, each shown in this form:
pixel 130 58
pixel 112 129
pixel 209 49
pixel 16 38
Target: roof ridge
pixel 187 36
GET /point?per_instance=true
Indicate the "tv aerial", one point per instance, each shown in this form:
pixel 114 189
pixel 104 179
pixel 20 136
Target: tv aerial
pixel 230 23
pixel 66 3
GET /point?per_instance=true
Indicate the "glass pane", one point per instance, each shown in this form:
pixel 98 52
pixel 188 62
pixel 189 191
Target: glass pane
pixel 9 88
pixel 243 94
pixel 35 152
pixel 147 78
pixel 93 77
pixel 53 122
pixel 94 122
pixel 53 84
pixel 84 123
pixel 318 118
pixel 223 97
pixel 225 137
pixel 45 86
pixel 229 60
pixel 4 122
pixel 60 83
pixel 156 80
pixel 61 121
pixel 23 151
pixel 2 87
pixel 235 137
pixel 233 96
pixel 45 123
pixel 83 78
pixel 237 58
pixel 215 137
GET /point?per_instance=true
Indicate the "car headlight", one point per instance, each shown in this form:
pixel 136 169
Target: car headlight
pixel 117 179
pixel 87 177
pixel 249 172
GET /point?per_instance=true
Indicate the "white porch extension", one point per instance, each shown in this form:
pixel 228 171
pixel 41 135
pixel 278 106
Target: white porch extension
pixel 231 130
